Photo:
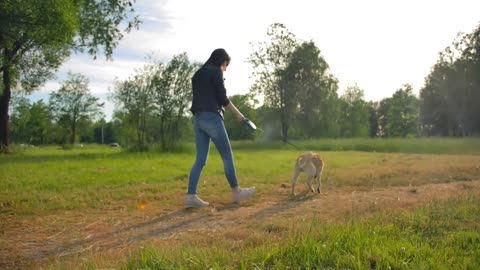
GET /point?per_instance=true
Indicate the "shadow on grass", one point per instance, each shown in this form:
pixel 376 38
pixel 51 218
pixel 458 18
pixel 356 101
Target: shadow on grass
pixel 117 238
pixel 176 222
pixel 283 205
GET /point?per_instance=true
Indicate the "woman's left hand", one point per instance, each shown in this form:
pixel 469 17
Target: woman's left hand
pixel 239 117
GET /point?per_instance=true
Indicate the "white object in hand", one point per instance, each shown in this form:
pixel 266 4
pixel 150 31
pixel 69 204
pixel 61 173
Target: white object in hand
pixel 250 124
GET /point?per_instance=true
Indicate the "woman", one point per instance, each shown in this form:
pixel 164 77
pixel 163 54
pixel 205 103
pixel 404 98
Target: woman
pixel 209 101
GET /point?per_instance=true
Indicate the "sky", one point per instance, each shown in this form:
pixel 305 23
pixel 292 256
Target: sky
pixel 379 45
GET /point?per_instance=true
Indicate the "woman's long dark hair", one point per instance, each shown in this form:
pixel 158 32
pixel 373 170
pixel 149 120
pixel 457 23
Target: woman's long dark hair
pixel 218 57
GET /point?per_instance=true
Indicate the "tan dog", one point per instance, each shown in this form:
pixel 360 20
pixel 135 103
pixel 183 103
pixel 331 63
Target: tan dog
pixel 312 165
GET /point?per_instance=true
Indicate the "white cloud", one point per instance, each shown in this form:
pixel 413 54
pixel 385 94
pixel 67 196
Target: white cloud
pixel 49 87
pixel 101 73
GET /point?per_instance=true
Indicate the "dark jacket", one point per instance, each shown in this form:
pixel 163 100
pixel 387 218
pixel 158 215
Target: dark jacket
pixel 209 93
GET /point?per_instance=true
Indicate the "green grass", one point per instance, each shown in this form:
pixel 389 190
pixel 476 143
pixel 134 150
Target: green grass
pixel 49 179
pixel 442 235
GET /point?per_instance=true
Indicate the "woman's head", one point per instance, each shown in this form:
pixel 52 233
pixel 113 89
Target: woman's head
pixel 218 58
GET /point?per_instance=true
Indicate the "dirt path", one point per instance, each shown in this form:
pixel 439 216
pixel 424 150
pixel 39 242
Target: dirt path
pixel 32 242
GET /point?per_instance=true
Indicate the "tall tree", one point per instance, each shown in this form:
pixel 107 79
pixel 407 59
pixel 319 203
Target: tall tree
pixel 473 53
pixel 20 112
pixel 433 102
pixel 270 61
pixel 156 101
pixel 40 124
pixel 134 101
pixel 329 125
pixel 73 101
pixel 355 113
pixel 403 114
pixel 374 120
pixel 31 123
pixel 37 36
pixel 382 116
pixel 310 89
pixel 172 95
pixel 450 97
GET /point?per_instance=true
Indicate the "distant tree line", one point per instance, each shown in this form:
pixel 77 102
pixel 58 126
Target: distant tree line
pixel 70 111
pixel 300 101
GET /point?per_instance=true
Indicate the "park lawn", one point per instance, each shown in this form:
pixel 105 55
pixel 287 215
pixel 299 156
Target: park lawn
pixel 45 180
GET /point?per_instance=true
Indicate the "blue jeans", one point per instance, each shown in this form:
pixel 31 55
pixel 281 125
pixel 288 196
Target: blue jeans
pixel 209 126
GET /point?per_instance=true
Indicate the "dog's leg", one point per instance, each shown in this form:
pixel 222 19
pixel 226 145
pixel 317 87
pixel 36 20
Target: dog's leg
pixel 295 177
pixel 319 169
pixel 310 183
pixel 310 170
pixel 319 187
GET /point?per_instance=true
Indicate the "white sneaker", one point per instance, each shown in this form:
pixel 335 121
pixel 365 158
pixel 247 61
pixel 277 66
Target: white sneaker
pixel 192 200
pixel 243 194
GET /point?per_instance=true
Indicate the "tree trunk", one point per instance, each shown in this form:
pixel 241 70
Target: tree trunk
pixel 72 136
pixel 144 126
pixel 139 132
pixel 74 130
pixel 4 117
pixel 284 122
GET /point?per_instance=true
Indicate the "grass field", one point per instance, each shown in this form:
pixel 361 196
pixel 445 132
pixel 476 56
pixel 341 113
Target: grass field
pixel 403 204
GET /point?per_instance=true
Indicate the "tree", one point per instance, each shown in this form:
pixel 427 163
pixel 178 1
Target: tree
pixel 403 114
pixel 269 62
pixel 123 129
pixel 73 101
pixel 374 119
pixel 382 116
pixel 434 113
pixel 40 124
pixel 172 96
pixel 329 125
pixel 36 37
pixel 355 113
pixel 156 101
pixel 472 52
pixel 20 111
pixel 311 90
pixel 134 101
pixel 450 97
pixel 85 129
